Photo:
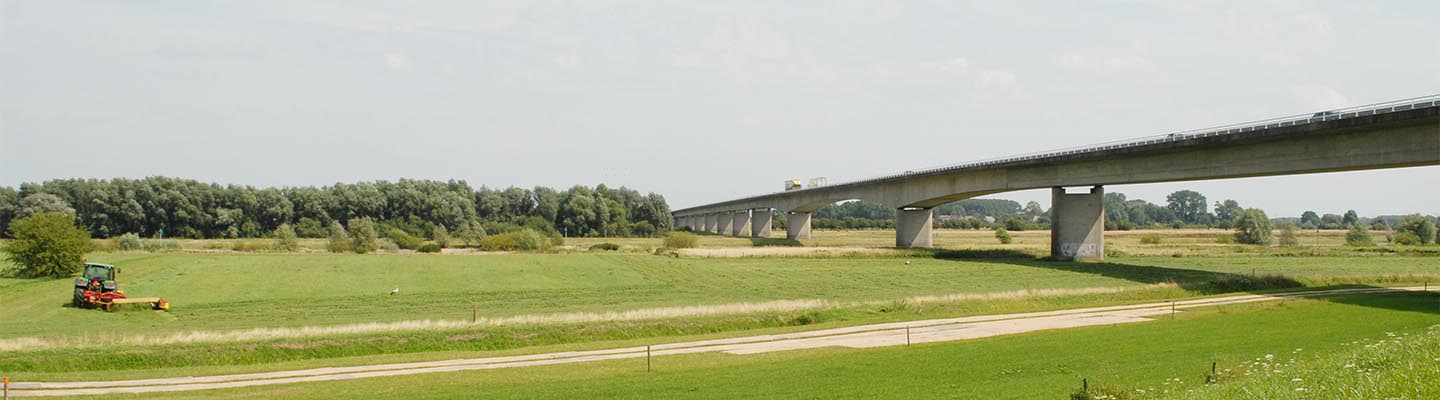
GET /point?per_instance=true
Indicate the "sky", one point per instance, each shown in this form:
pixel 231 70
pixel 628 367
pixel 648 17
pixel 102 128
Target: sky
pixel 698 101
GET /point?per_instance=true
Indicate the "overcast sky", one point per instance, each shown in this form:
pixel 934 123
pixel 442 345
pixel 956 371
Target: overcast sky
pixel 701 101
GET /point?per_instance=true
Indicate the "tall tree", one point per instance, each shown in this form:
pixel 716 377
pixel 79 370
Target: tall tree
pixel 1188 205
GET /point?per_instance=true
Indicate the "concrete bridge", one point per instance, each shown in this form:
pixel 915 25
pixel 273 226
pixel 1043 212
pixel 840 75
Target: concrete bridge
pixel 1398 134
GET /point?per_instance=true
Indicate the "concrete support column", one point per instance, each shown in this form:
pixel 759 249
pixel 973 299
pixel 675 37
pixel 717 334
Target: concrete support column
pixel 797 225
pixel 723 222
pixel 1077 225
pixel 710 223
pixel 740 226
pixel 913 227
pixel 760 222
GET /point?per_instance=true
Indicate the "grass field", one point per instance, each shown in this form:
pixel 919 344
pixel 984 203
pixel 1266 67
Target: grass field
pixel 1164 358
pixel 246 311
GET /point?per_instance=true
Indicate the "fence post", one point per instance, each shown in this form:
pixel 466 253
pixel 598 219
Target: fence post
pixel 7 388
pixel 648 366
pixel 907 335
pixel 1172 309
pixel 474 313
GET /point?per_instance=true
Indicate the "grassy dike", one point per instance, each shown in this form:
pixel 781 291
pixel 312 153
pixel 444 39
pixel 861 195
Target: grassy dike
pixel 1171 356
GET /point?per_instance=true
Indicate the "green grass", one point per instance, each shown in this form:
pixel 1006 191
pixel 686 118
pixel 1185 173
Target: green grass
pixel 1034 365
pixel 231 291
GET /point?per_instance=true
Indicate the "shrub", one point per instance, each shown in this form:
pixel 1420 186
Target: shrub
pixel 1418 225
pixel 471 233
pixel 1150 238
pixel 285 239
pixel 681 240
pixel 1003 235
pixel 47 245
pixel 1224 239
pixel 1287 234
pixel 403 239
pixel 1253 227
pixel 428 247
pixel 604 247
pixel 1359 236
pixel 309 228
pixel 523 239
pixel 386 244
pixel 130 242
pixel 440 235
pixel 362 235
pixel 1407 239
pixel 339 240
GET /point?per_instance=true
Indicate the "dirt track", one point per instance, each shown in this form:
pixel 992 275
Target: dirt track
pixel 876 335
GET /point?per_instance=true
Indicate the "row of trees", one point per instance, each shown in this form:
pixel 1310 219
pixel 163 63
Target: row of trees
pixel 1181 209
pixel 170 207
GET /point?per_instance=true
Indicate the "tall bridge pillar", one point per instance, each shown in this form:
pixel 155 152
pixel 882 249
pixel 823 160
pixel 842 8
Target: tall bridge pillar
pixel 740 225
pixel 1077 225
pixel 760 223
pixel 722 223
pixel 797 225
pixel 913 227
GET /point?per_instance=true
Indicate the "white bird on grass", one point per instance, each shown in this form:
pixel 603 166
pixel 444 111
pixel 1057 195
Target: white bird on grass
pixel 395 291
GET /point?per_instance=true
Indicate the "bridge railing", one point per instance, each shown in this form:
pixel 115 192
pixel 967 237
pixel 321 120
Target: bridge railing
pixel 1299 119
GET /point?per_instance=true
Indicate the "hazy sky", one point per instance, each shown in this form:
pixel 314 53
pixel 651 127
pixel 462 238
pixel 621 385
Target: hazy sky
pixel 701 101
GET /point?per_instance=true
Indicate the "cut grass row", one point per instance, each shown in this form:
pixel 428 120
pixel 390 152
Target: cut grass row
pixel 1169 355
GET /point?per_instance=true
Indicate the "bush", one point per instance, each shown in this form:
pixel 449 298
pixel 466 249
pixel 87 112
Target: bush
pixel 1003 235
pixel 1253 227
pixel 428 247
pixel 1359 236
pixel 1224 239
pixel 604 247
pixel 309 228
pixel 339 240
pixel 1407 239
pixel 47 245
pixel 285 239
pixel 362 235
pixel 681 240
pixel 1418 225
pixel 441 236
pixel 403 239
pixel 523 239
pixel 386 244
pixel 470 233
pixel 1287 234
pixel 130 242
pixel 1150 238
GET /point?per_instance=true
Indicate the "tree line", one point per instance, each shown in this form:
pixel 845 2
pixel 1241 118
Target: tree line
pixel 1184 208
pixel 172 207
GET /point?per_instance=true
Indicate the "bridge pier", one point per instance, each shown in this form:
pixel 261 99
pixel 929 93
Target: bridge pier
pixel 797 225
pixel 913 227
pixel 740 223
pixel 1077 225
pixel 719 223
pixel 760 222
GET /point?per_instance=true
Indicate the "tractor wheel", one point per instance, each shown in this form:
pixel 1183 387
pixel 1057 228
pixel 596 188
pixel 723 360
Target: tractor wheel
pixel 80 298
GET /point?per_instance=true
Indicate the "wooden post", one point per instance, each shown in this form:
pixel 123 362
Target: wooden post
pixel 1085 385
pixel 474 313
pixel 7 388
pixel 648 366
pixel 907 335
pixel 1172 309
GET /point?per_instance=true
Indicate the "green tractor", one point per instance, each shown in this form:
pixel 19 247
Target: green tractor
pixel 96 287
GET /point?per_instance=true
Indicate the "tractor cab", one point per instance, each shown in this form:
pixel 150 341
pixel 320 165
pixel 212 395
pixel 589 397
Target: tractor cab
pixel 98 277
